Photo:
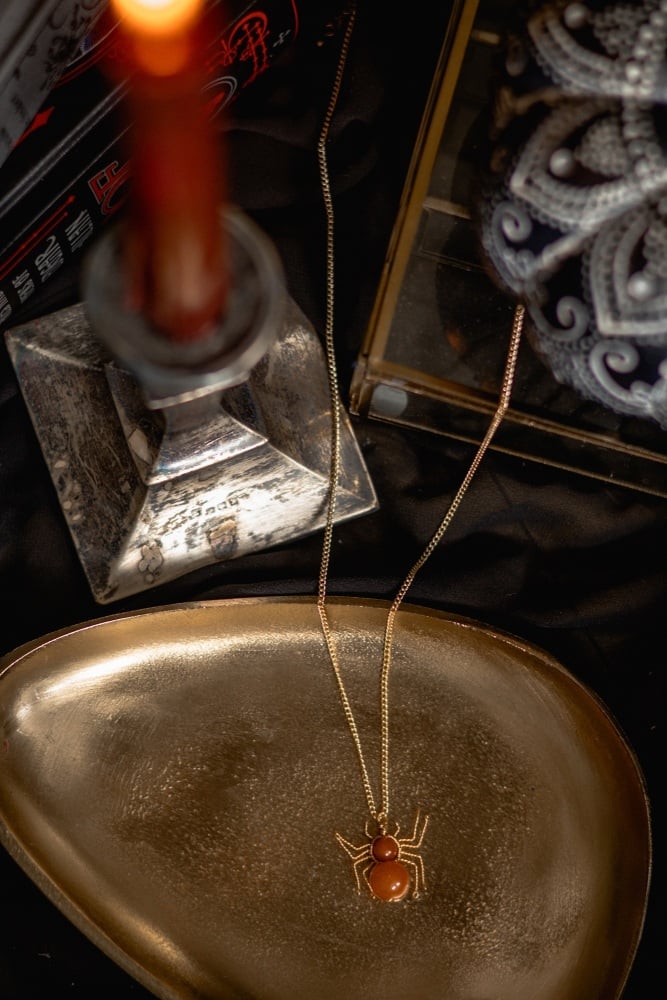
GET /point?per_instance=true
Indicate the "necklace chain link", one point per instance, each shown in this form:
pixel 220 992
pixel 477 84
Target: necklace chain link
pixel 381 814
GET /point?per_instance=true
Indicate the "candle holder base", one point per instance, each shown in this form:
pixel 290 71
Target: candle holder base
pixel 145 506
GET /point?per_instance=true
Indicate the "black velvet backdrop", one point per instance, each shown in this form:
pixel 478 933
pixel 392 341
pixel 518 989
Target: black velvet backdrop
pixel 573 565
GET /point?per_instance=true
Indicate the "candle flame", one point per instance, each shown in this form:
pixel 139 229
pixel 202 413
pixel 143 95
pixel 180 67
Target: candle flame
pixel 158 18
pixel 160 32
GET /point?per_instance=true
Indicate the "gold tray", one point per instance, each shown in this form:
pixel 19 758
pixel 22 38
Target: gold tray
pixel 173 779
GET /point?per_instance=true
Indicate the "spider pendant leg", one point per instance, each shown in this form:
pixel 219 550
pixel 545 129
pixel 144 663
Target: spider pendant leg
pixel 358 855
pixel 350 849
pixel 416 863
pixel 365 873
pixel 415 841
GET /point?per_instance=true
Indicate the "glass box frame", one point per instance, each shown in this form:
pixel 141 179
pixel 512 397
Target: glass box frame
pixel 435 347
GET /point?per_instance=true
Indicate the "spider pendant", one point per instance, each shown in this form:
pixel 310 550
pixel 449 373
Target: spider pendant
pixel 387 860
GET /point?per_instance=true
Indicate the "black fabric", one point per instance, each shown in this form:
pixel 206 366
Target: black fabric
pixel 572 564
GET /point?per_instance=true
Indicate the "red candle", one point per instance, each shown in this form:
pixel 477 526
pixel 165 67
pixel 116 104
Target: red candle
pixel 174 252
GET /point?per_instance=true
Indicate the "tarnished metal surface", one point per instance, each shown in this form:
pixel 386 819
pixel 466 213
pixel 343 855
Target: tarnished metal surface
pixel 173 780
pixel 144 509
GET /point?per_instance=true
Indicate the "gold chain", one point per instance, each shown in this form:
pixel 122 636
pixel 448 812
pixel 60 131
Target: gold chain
pixel 380 815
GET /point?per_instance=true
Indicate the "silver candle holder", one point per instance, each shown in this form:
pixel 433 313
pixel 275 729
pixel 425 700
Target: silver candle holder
pixel 170 457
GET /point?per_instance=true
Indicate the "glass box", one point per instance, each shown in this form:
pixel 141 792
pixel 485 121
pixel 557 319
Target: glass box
pixel 435 348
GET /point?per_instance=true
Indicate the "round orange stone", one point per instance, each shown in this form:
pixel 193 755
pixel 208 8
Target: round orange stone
pixel 389 881
pixel 384 848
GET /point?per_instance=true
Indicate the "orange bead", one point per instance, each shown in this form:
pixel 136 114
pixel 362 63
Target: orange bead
pixel 389 881
pixel 384 848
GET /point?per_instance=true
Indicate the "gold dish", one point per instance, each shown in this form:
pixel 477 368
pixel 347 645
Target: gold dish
pixel 173 780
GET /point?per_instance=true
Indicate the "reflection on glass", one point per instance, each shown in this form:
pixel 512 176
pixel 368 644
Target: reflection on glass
pixel 435 350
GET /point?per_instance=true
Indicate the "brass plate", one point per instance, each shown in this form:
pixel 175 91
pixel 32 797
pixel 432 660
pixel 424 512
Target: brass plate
pixel 172 780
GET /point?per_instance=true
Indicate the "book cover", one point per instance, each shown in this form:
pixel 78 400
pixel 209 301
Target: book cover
pixel 38 38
